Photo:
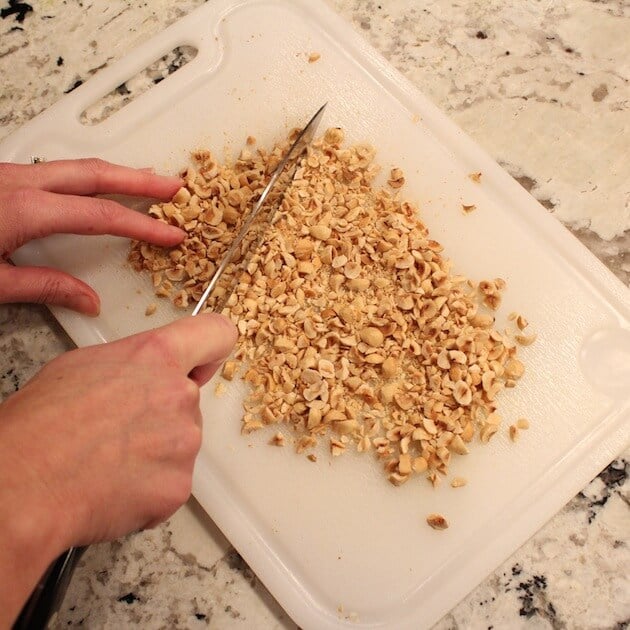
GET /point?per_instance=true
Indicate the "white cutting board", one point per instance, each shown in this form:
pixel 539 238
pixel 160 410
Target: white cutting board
pixel 336 533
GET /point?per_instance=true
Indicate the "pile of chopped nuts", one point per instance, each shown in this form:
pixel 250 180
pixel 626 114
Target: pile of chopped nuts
pixel 352 326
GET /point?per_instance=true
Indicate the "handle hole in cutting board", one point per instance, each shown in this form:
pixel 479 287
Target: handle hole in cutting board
pixel 140 83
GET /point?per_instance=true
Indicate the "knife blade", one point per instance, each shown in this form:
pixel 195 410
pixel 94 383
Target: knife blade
pixel 285 171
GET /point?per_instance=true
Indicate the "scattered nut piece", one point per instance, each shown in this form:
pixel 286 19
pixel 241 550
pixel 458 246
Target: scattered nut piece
pixel 514 368
pixel 525 340
pixel 429 426
pixel 513 432
pixel 522 423
pixel 487 432
pixel 277 439
pixel 457 445
pixel 492 301
pixel 388 392
pixel 220 389
pixel 396 479
pixel 304 443
pixel 181 197
pixel 396 178
pixel 251 425
pixel 458 482
pixel 372 336
pixel 150 310
pixel 482 321
pixel 404 401
pixel 476 177
pixel 313 57
pixel 468 209
pixel 419 464
pixel 389 367
pixel 521 322
pixel 321 232
pixel 437 521
pixel 229 369
pixel 462 393
pixel 404 464
pixel 337 447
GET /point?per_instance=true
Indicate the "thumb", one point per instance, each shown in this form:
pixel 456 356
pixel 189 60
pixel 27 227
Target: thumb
pixel 47 286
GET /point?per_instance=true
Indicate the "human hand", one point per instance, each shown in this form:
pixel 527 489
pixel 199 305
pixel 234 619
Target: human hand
pixel 53 197
pixel 103 440
pixel 100 443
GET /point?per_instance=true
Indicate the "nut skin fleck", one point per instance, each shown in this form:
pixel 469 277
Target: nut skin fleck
pixel 437 521
pixel 277 440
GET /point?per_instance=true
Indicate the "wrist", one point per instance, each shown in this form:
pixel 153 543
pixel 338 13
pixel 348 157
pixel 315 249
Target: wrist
pixel 31 534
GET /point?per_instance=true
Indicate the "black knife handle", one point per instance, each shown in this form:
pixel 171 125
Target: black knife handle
pixel 49 592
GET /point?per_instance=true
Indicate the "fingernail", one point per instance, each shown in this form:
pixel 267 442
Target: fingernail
pixel 233 331
pixel 87 305
pixel 174 178
pixel 175 230
pixel 226 319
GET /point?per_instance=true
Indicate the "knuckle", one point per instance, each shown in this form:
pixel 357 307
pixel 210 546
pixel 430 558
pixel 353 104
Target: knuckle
pixel 158 347
pixel 182 489
pixel 186 443
pixel 95 170
pixel 105 210
pixel 94 166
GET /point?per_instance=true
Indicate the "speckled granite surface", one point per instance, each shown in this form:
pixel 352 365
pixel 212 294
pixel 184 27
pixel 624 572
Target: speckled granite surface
pixel 499 69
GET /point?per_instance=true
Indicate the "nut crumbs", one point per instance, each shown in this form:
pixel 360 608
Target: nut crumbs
pixel 352 326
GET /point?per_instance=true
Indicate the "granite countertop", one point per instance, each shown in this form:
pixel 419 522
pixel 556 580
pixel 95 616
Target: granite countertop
pixel 498 68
